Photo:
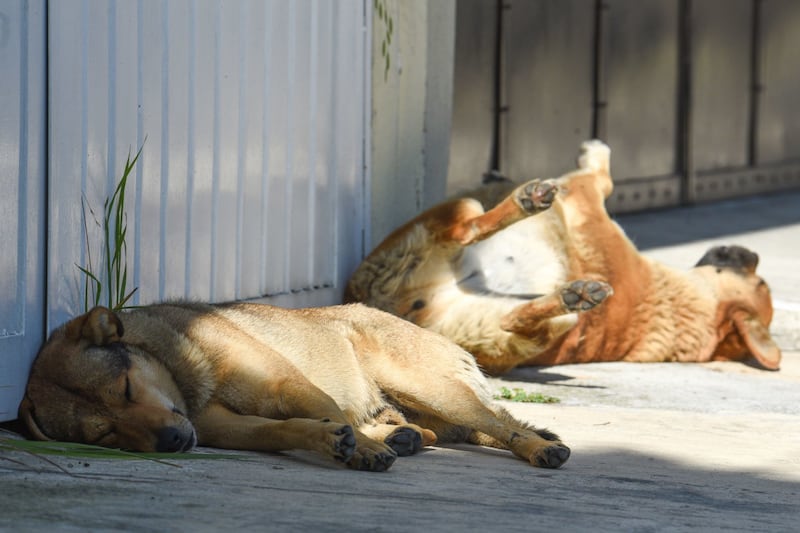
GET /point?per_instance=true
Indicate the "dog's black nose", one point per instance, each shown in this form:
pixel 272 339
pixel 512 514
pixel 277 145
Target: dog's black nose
pixel 172 439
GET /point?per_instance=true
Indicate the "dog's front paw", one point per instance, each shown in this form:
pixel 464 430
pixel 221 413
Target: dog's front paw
pixel 582 295
pixel 551 456
pixel 595 155
pixel 344 443
pixel 536 195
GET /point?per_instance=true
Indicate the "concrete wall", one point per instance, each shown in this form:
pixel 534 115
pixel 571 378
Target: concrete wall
pixel 412 72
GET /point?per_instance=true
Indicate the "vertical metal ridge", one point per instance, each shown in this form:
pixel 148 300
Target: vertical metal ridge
pixel 111 145
pixel 288 178
pixel 684 137
pixel 164 152
pixel 215 156
pixel 363 143
pixel 265 157
pixel 598 74
pixel 366 124
pixel 497 96
pixel 137 248
pixel 312 164
pixel 46 215
pixel 84 69
pixel 755 83
pixel 190 148
pixel 23 177
pixel 241 168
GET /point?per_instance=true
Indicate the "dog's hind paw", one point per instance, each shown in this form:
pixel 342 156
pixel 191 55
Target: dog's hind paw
pixel 582 295
pixel 594 155
pixel 373 461
pixel 551 456
pixel 404 441
pixel 536 195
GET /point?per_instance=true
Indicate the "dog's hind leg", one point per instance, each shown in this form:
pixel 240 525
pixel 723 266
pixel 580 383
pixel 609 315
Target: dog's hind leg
pixel 454 402
pixel 576 296
pixel 490 425
pixel 526 200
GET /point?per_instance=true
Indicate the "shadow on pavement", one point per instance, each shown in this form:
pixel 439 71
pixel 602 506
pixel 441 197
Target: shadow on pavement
pixel 707 221
pixel 444 489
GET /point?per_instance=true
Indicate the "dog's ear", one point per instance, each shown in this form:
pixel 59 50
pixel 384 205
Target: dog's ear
pixel 758 340
pixel 25 413
pixel 100 326
pixel 735 257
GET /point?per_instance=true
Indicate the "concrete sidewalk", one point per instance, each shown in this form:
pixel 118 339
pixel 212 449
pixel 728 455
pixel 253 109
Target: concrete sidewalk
pixel 660 447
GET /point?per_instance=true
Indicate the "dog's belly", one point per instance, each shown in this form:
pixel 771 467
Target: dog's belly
pixel 523 259
pixel 321 350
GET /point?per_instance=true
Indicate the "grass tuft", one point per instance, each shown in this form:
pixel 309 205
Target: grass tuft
pixel 519 395
pixel 114 254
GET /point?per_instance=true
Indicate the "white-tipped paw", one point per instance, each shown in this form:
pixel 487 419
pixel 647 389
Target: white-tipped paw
pixel 595 155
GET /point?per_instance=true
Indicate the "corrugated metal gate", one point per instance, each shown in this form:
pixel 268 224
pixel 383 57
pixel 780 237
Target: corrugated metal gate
pixel 697 98
pixel 252 116
pixel 22 169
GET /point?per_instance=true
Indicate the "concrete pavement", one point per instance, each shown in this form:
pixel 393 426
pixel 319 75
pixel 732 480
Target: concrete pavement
pixel 662 447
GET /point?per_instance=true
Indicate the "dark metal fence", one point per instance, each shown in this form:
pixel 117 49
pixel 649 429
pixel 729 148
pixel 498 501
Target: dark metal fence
pixel 697 98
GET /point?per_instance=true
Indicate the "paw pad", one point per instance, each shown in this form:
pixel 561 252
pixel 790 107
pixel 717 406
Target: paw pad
pixel 536 195
pixel 582 295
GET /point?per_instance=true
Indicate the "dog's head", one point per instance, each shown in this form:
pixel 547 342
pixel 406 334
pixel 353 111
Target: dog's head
pixel 745 305
pixel 87 385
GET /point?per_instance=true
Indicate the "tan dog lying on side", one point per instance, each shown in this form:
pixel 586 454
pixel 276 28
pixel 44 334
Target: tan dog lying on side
pixel 342 381
pixel 515 289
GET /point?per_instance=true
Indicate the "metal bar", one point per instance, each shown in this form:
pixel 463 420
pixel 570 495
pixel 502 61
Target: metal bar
pixel 598 76
pixel 755 83
pixel 497 95
pixel 684 130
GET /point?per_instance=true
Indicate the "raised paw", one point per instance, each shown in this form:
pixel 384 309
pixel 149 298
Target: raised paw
pixel 582 295
pixel 536 195
pixel 404 441
pixel 551 456
pixel 594 155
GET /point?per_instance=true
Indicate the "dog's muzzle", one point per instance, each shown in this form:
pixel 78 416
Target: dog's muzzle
pixel 172 439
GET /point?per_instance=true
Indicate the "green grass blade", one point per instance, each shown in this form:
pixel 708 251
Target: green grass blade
pixel 88 451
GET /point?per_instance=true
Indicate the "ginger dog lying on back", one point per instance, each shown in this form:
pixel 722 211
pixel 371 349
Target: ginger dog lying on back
pixel 565 285
pixel 343 381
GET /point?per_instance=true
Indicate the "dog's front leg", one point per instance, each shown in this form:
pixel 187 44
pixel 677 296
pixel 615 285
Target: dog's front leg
pixel 528 199
pixel 220 427
pixel 576 296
